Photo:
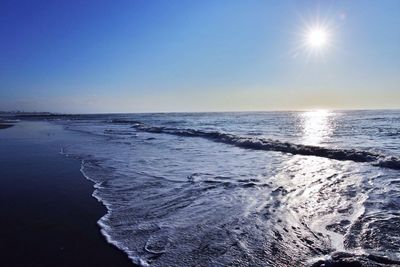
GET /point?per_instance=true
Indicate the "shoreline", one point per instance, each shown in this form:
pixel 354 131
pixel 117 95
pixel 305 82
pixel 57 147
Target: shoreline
pixel 5 126
pixel 50 215
pixel 136 260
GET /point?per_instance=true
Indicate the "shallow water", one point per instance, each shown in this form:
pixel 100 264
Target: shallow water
pixel 246 189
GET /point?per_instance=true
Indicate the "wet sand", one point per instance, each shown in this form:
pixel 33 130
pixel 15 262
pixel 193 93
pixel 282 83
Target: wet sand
pixel 48 216
pixel 5 125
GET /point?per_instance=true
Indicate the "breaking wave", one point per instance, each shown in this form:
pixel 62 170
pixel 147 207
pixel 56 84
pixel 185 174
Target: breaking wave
pixel 257 143
pixel 200 201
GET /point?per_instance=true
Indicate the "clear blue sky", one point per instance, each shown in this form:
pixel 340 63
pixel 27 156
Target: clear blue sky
pixel 138 56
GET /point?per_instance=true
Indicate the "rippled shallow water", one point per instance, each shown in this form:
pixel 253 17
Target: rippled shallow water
pixel 247 189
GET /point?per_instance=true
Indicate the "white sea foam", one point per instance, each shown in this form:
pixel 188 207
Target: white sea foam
pixel 173 200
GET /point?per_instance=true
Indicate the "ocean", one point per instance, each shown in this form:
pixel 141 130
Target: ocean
pixel 246 189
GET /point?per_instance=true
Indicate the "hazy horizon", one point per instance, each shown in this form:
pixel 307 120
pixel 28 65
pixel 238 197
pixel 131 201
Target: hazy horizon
pixel 194 112
pixel 177 56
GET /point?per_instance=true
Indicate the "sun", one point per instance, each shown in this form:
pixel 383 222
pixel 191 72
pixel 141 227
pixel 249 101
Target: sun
pixel 317 37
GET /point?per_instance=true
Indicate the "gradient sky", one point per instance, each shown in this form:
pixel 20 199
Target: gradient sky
pixel 144 56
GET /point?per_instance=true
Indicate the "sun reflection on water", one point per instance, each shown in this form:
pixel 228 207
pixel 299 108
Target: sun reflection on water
pixel 317 126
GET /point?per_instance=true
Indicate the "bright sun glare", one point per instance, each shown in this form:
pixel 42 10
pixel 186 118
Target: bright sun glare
pixel 317 37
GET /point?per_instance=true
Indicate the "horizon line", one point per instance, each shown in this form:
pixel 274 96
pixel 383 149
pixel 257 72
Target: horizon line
pixel 215 111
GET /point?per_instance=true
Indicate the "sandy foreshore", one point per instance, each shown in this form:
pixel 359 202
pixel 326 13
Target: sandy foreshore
pixel 5 124
pixel 48 214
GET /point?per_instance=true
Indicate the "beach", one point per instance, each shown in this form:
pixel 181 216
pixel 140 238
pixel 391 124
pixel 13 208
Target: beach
pixel 202 189
pixel 49 217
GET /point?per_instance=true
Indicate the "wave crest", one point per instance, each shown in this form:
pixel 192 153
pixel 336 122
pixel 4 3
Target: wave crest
pixel 257 143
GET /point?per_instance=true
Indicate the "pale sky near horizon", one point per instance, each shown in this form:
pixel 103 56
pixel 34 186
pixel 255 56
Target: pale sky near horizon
pixel 152 56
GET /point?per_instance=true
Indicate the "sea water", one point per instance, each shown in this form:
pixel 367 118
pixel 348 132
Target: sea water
pixel 246 189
